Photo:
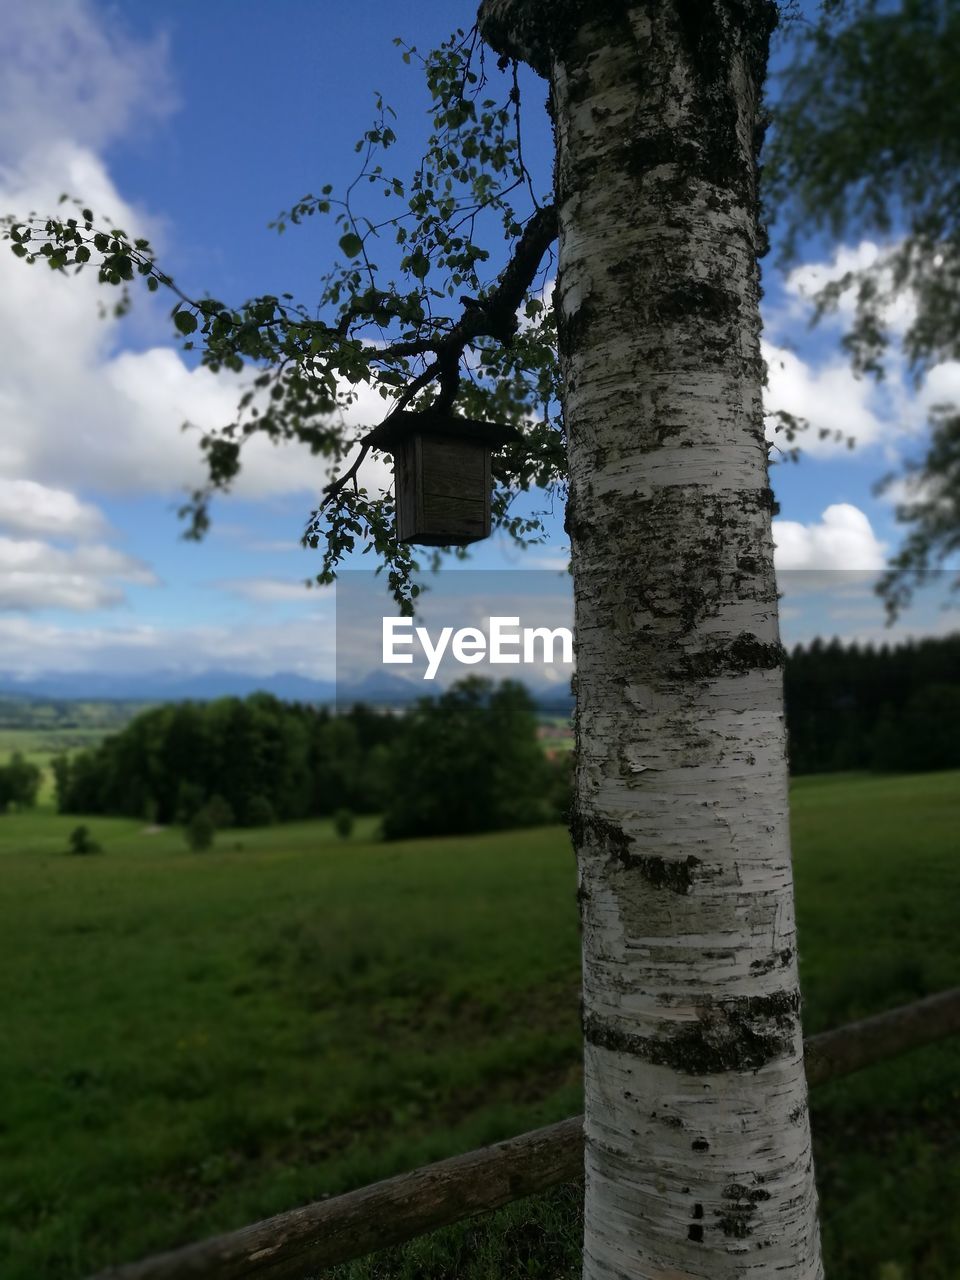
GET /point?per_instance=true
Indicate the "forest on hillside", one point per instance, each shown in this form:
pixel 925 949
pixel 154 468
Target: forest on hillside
pixel 886 708
pixel 470 760
pixel 467 761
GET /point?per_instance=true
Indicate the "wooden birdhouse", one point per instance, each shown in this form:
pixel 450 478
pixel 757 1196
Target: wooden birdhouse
pixel 442 475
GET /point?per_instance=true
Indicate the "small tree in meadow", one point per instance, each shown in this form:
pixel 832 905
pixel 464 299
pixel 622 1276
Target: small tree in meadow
pixel 81 841
pixel 260 812
pixel 343 823
pixel 200 831
pixel 220 812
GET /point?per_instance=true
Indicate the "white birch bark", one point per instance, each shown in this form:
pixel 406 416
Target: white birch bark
pixel 698 1160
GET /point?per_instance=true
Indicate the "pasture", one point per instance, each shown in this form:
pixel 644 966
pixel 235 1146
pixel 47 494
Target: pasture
pixel 191 1042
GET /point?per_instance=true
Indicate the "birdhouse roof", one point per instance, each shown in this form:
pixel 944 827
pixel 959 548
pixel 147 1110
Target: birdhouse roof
pixel 401 426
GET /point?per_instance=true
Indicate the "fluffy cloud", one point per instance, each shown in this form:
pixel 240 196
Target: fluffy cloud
pixel 843 538
pixel 27 507
pixel 77 413
pixel 67 72
pixel 825 392
pixel 941 386
pixel 830 398
pixel 804 282
pixel 35 575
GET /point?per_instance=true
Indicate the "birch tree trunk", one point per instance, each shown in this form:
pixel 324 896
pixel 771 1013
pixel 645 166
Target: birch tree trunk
pixel 698 1159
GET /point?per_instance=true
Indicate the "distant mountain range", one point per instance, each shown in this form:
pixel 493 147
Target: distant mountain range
pixel 377 688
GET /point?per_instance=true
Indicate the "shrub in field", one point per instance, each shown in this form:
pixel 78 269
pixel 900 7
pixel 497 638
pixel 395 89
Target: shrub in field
pixel 220 812
pixel 82 842
pixel 260 812
pixel 200 831
pixel 343 823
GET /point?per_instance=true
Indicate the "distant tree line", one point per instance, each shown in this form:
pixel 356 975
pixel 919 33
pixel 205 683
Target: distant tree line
pixel 250 761
pixel 879 708
pixel 469 761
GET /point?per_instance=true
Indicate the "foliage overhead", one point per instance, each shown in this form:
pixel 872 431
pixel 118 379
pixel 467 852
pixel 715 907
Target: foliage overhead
pixel 437 300
pixel 867 142
pixel 440 297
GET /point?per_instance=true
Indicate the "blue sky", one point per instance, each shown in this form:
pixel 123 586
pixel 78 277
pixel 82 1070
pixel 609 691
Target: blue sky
pixel 198 124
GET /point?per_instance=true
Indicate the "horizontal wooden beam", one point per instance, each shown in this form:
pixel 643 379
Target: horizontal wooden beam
pixel 305 1241
pixel 846 1049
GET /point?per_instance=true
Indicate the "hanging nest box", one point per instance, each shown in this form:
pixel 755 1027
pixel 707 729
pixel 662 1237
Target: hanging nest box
pixel 442 475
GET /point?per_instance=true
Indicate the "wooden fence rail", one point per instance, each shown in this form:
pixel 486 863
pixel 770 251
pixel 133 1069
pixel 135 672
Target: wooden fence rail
pixel 309 1240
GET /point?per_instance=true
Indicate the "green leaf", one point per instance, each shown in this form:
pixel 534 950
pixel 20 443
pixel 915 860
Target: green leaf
pixel 351 244
pixel 185 322
pixel 420 264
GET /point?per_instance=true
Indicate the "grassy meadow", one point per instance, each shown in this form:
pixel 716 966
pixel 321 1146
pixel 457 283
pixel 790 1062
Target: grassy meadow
pixel 191 1042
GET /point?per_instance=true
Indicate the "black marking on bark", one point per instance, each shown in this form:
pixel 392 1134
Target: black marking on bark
pixel 697 297
pixel 699 1144
pixel 769 963
pixel 735 657
pixel 698 1210
pixel 695 1232
pixel 675 874
pixel 672 1122
pixel 733 1191
pixel 571 330
pixel 742 1034
pixel 652 150
pixel 588 829
pixel 735 1222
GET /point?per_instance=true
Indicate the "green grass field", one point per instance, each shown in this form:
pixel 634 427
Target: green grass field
pixel 191 1042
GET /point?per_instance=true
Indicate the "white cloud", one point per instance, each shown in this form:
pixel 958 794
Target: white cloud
pixel 27 507
pixel 269 589
pixel 830 398
pixel 69 73
pixel 30 647
pixel 804 282
pixel 35 575
pixel 842 539
pixel 78 414
pixel 941 386
pixel 553 560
